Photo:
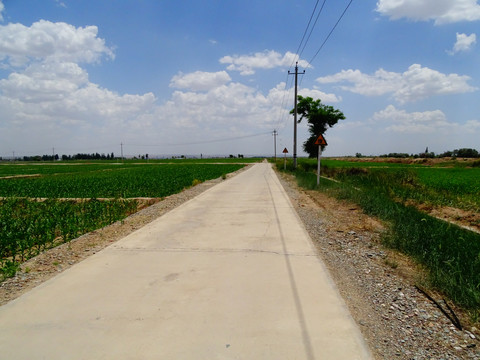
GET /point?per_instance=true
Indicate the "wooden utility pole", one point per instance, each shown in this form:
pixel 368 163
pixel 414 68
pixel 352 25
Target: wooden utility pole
pixel 275 133
pixel 295 116
pixel 320 142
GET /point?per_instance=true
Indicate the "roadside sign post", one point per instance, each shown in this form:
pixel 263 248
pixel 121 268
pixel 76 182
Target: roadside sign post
pixel 285 152
pixel 318 165
pixel 320 141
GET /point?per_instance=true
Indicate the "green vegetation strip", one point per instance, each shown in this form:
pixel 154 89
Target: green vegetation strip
pixel 450 254
pixel 119 182
pixel 29 227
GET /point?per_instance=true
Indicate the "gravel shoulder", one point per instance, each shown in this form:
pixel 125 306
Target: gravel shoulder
pixel 397 321
pixel 378 285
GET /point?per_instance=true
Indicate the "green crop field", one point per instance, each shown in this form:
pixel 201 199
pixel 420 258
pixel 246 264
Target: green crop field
pixel 395 193
pixel 110 182
pixel 60 202
pixel 435 185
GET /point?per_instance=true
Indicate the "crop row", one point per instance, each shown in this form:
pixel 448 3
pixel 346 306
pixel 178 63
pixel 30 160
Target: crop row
pixel 29 168
pixel 46 169
pixel 29 227
pixel 121 182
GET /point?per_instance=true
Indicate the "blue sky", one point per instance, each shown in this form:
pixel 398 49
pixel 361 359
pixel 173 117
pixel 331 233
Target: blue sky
pixel 211 77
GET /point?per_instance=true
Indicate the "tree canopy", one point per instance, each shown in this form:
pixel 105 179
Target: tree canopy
pixel 319 117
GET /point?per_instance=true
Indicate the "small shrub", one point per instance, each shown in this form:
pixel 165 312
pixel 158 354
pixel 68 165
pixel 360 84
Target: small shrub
pixel 195 182
pixel 9 269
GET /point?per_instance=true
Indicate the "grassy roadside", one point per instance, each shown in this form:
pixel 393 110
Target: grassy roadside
pixel 450 254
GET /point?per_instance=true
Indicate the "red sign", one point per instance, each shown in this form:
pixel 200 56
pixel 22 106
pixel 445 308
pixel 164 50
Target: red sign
pixel 320 140
pixel 285 151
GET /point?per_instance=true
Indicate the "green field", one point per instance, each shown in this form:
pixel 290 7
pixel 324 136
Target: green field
pixel 122 181
pixel 438 185
pixel 69 205
pixel 393 192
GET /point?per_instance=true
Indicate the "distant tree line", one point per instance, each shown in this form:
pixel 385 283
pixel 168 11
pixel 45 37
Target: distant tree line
pixel 41 158
pixel 461 153
pixel 95 156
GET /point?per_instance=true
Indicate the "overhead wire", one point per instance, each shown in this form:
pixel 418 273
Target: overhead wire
pixel 282 112
pixel 298 55
pixel 200 142
pixel 304 33
pixel 300 49
pixel 313 27
pixel 331 32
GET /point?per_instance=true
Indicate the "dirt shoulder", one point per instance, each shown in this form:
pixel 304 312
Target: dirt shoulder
pixel 378 285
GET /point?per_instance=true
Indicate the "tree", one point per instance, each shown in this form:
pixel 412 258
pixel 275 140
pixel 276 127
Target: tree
pixel 319 117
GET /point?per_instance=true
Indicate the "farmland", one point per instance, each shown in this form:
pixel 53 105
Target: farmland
pixel 61 201
pixel 437 185
pixel 403 196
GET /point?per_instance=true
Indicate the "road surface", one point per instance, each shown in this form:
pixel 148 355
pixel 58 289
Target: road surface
pixel 231 274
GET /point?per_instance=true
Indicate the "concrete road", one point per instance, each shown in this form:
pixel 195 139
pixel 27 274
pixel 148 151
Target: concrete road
pixel 231 274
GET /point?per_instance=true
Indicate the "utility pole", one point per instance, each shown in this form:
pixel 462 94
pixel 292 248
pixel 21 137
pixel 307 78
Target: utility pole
pixel 121 150
pixel 275 133
pixel 295 116
pixel 53 153
pixel 13 156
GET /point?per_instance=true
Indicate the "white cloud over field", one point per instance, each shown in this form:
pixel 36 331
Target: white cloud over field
pixel 48 91
pixel 401 121
pixel 268 59
pixel 48 41
pixel 464 43
pixel 441 11
pixel 414 84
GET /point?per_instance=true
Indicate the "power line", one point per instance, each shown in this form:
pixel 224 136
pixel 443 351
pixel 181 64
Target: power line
pixel 282 117
pixel 201 142
pixel 281 110
pixel 304 33
pixel 313 27
pixel 331 31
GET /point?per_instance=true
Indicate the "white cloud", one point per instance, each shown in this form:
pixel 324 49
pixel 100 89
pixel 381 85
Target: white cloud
pixel 2 7
pixel 317 94
pixel 414 84
pixel 200 80
pixel 45 40
pixel 61 92
pixel 49 87
pixel 46 81
pixel 464 43
pixel 472 126
pixel 268 59
pixel 232 104
pixel 441 11
pixel 416 122
pixel 60 3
